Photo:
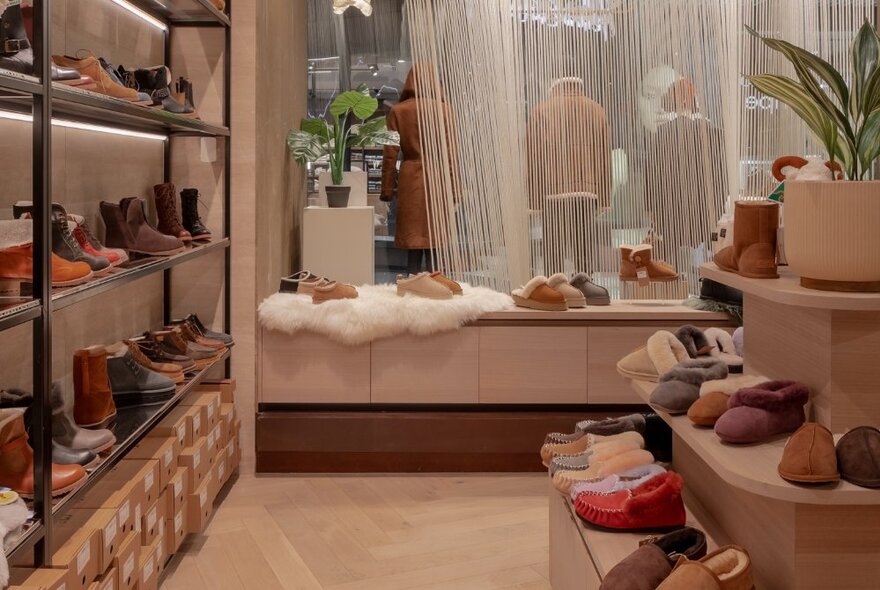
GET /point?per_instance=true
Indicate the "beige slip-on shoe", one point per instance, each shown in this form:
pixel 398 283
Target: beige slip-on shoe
pixel 423 285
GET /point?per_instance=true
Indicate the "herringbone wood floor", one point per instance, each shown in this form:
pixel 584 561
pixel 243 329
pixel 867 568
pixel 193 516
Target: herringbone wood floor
pixel 395 532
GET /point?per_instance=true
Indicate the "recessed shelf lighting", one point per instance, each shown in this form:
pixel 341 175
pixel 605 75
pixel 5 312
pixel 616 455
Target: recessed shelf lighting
pixel 85 126
pixel 141 14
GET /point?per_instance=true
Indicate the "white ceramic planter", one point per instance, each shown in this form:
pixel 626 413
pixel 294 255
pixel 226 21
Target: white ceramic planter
pixel 832 234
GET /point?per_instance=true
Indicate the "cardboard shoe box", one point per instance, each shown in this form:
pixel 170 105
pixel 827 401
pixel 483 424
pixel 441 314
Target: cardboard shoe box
pixel 79 554
pixel 195 457
pixel 106 582
pixel 109 495
pixel 139 472
pixel 227 415
pixel 127 562
pixel 175 529
pixel 149 574
pixel 176 491
pixel 162 449
pixel 106 524
pixel 150 523
pixel 199 507
pixel 210 401
pixel 174 425
pixel 226 387
pixel 42 578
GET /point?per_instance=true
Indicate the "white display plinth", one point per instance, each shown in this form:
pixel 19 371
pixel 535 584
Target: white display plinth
pixel 338 243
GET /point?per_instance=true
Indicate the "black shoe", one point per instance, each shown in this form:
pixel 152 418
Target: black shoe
pixel 189 207
pixel 157 83
pixel 16 53
pixel 199 327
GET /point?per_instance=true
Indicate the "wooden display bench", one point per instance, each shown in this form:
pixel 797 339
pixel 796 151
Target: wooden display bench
pixel 581 555
pixel 475 399
pixel 799 537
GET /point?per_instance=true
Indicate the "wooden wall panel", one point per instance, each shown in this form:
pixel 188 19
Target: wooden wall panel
pixel 533 365
pixel 438 369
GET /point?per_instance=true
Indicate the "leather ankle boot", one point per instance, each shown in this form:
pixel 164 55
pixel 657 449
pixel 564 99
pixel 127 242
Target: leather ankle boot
pixel 17 460
pixel 156 82
pixel 183 93
pixel 189 200
pixel 170 370
pixel 166 209
pixel 93 405
pixel 66 246
pixel 65 432
pixel 633 258
pixel 17 260
pixel 134 385
pixel 127 228
pixel 753 253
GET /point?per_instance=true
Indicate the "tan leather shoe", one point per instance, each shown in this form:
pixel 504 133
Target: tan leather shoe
pixel 332 291
pixel 422 285
pixel 447 282
pixel 632 258
pixel 537 294
pixel 708 408
pixel 728 568
pixel 90 66
pixel 810 456
pixel 170 370
pixel 92 399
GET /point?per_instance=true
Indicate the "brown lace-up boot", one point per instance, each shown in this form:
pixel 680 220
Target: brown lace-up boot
pixel 166 209
pixel 92 401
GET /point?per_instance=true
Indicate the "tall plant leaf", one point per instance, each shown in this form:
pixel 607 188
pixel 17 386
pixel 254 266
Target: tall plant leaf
pixel 307 147
pixel 869 141
pixel 865 57
pixel 362 105
pixel 373 132
pixel 318 127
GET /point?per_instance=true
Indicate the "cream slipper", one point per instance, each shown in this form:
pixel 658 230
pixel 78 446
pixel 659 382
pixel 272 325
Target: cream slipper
pixel 732 384
pixel 564 480
pixel 537 294
pixel 422 285
pixel 574 297
pixel 723 349
pixel 616 482
pixel 590 443
pixel 662 352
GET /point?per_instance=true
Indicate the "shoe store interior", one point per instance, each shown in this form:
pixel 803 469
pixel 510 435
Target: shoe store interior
pixel 440 295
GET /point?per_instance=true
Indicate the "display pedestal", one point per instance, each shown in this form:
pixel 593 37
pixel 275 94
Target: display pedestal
pixel 338 243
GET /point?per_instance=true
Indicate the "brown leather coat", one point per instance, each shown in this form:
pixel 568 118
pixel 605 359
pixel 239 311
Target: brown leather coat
pixel 417 222
pixel 569 146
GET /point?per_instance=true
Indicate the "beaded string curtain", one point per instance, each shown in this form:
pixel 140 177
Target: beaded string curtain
pixel 582 125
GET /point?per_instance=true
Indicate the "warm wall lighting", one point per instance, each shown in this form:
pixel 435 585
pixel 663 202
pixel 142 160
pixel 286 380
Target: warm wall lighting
pixel 141 14
pixel 12 116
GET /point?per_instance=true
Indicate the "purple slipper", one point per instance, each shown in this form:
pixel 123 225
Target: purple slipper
pixel 757 413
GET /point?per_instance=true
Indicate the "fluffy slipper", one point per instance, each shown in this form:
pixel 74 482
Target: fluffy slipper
pixel 695 342
pixel 706 410
pixel 738 340
pixel 537 294
pixel 657 503
pixel 732 384
pixel 548 451
pixel 573 296
pixel 680 387
pixel 722 347
pixel 757 413
pixel 605 427
pixel 599 452
pixel 617 481
pixel 774 396
pixel 594 294
pixel 662 352
pixel 563 480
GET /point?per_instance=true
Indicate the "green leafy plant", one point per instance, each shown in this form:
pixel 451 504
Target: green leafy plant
pixel 844 118
pixel 317 139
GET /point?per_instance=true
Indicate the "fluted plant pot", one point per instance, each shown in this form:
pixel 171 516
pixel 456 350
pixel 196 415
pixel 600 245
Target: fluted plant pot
pixel 337 196
pixel 832 239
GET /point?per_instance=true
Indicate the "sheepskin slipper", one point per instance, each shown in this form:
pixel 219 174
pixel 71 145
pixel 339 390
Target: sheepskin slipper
pixel 728 568
pixel 585 443
pixel 537 294
pixel 617 481
pixel 605 427
pixel 809 456
pixel 738 340
pixel 662 352
pixel 619 463
pixel 594 294
pixel 706 410
pixel 650 564
pixel 573 296
pixel 755 414
pixel 721 346
pixel 858 456
pixel 656 504
pixel 731 384
pixel 680 387
pixel 694 340
pixel 598 452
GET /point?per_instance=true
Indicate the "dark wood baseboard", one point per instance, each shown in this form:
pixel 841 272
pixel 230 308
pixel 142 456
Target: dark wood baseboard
pixel 409 442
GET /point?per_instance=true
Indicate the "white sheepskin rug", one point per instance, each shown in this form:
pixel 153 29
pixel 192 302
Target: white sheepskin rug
pixel 378 312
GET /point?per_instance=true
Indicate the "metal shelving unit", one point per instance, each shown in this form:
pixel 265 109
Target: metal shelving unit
pixel 40 100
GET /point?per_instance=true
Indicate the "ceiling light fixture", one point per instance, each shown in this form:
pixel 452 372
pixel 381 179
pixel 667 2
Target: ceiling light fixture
pixel 141 14
pixel 340 6
pixel 13 116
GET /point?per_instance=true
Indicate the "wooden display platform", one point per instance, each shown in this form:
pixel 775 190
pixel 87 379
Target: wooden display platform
pixel 581 555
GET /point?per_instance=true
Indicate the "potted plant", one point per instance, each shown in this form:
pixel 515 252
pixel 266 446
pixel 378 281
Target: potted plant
pixel 831 237
pixel 317 139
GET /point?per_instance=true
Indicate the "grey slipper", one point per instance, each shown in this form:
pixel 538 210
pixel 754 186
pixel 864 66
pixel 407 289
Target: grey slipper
pixel 680 388
pixel 693 339
pixel 579 462
pixel 595 294
pixel 605 427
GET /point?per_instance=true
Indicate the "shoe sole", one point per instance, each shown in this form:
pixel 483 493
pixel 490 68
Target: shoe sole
pixel 104 447
pixel 74 282
pixel 817 479
pixel 102 424
pixel 658 280
pixel 576 303
pixel 61 491
pixel 538 305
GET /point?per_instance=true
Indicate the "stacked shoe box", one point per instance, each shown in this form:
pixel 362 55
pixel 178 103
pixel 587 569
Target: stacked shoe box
pixel 121 534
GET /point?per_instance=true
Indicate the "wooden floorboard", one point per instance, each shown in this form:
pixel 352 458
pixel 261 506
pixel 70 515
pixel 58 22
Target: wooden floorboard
pixel 372 532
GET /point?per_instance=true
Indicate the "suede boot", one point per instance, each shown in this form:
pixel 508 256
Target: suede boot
pixel 127 228
pixel 93 405
pixel 633 258
pixel 753 253
pixel 166 209
pixel 65 431
pixel 189 205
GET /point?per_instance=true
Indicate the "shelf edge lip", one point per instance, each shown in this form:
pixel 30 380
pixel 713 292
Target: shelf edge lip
pixel 118 454
pixel 26 540
pixel 20 83
pixel 210 14
pixel 775 491
pixel 63 300
pixel 29 312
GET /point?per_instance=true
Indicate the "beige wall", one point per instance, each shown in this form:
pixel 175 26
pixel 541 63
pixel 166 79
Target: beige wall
pixel 269 97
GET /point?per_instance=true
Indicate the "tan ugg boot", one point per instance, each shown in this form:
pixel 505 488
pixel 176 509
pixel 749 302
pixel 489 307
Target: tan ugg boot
pixel 632 258
pixel 93 404
pixel 753 253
